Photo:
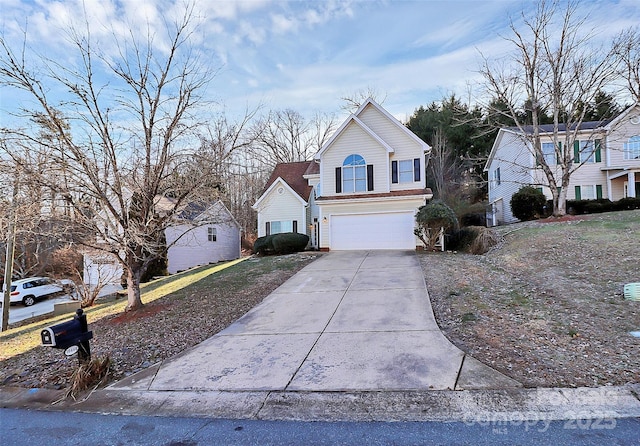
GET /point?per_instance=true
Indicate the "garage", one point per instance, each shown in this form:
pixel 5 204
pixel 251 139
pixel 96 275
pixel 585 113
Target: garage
pixel 392 230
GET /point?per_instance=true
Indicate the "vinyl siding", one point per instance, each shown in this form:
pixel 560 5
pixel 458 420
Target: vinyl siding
pixel 281 207
pixel 194 248
pixel 354 140
pixel 616 139
pixel 513 159
pixel 405 147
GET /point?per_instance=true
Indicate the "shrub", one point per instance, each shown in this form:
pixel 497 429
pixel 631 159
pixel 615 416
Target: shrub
pixel 486 239
pixel 431 218
pixel 283 243
pixel 473 239
pixel 461 240
pixel 627 204
pixel 527 203
pixel 473 219
pixel 289 242
pixel 263 245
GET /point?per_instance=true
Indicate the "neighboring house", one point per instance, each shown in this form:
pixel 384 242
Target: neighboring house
pixel 608 150
pixel 199 236
pixel 362 190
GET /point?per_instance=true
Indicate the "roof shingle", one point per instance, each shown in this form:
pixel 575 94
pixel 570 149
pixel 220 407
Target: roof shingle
pixel 293 175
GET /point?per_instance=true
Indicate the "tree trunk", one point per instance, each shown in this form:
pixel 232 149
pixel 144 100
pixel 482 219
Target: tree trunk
pixel 134 301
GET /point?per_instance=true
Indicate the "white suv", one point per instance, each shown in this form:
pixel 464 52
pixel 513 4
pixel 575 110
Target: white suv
pixel 28 291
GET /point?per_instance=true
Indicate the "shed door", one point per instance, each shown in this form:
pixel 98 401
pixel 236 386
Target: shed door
pixel 373 231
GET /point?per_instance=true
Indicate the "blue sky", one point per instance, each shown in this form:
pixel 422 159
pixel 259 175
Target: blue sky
pixel 306 55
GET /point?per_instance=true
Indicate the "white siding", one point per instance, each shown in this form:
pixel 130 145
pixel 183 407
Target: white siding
pixel 101 269
pixel 354 140
pixel 404 146
pixel 514 161
pixel 285 206
pixel 627 127
pixel 193 247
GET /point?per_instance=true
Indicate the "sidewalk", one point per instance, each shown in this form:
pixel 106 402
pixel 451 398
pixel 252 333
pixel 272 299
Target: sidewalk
pixel 350 337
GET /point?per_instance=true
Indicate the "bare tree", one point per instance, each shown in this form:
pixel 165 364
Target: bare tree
pixel 285 136
pixel 443 165
pixel 627 49
pixel 554 68
pixel 356 99
pixel 123 141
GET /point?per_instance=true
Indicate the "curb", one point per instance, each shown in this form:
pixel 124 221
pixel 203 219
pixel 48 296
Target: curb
pixel 468 406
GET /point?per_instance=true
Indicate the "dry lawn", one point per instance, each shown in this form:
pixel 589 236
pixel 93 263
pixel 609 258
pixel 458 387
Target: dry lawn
pixel 546 307
pixel 162 328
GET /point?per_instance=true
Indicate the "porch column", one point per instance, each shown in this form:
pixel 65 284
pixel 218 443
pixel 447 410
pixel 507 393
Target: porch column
pixel 631 184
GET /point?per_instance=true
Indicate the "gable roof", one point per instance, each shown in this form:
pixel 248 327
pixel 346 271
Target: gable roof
pixel 293 175
pixel 613 122
pixel 196 212
pixel 426 147
pixel 354 119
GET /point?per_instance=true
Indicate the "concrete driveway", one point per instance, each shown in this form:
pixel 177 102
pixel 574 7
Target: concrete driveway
pixel 350 321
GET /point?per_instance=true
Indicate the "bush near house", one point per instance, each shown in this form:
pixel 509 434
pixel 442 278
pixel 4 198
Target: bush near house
pixel 528 203
pixel 283 243
pixel 577 207
pixel 431 218
pixel 473 239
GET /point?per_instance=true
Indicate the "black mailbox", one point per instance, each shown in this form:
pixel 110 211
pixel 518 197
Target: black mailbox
pixel 68 334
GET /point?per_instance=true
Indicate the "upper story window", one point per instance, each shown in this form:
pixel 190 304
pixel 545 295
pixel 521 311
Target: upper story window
pixel 405 171
pixel 632 148
pixel 354 174
pixel 212 234
pixel 549 153
pixel 587 151
pixel 496 177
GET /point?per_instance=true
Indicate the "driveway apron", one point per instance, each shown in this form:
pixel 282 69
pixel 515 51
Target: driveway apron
pixel 350 321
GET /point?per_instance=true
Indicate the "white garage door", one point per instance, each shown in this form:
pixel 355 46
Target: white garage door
pixel 373 231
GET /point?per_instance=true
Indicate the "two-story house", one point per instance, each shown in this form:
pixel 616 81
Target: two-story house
pixel 607 153
pixel 361 191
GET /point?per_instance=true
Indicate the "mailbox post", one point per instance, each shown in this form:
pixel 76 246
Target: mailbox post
pixel 71 336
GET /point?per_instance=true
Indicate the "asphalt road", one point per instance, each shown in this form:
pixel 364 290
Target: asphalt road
pixel 24 427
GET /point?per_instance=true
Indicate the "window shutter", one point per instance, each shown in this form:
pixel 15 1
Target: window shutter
pixel 416 169
pixel 598 151
pixel 599 191
pixel 268 228
pixel 578 194
pixel 338 180
pixel 576 152
pixel 394 172
pixel 369 177
pixel 295 225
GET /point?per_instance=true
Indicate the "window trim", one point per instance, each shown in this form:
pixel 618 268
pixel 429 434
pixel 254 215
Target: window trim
pixel 632 148
pixel 354 175
pixel 412 168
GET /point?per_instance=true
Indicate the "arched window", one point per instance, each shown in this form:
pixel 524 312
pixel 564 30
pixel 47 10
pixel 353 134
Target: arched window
pixel 354 174
pixel 632 148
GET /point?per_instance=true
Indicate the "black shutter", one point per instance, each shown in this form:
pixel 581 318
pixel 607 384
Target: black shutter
pixel 338 180
pixel 295 225
pixel 369 177
pixel 416 169
pixel 268 231
pixel 394 172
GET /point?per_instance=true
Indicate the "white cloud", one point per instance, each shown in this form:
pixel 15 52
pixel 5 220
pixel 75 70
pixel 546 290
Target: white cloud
pixel 282 25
